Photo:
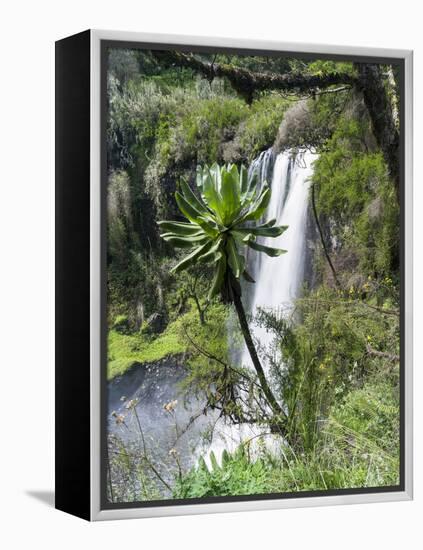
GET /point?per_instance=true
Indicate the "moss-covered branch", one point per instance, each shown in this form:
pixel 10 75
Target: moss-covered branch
pixel 247 82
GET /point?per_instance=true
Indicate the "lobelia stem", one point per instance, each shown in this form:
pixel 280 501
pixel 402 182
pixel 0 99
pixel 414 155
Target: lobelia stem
pixel 254 357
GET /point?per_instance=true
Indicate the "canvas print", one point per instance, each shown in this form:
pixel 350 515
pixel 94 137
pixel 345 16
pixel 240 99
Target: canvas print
pixel 253 275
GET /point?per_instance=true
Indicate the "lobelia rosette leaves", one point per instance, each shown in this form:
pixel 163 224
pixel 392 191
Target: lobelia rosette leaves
pixel 220 220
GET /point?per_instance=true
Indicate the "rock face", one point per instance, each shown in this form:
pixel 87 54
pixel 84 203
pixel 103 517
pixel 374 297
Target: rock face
pixel 155 323
pixel 296 128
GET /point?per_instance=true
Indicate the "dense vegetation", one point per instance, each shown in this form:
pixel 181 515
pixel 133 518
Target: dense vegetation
pixel 339 382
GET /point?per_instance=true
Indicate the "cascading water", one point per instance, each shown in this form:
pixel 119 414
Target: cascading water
pixel 262 166
pixel 278 280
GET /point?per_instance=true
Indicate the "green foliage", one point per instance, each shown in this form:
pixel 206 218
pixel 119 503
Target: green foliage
pixel 258 131
pixel 129 475
pixel 216 229
pixel 126 350
pixel 326 353
pixel 119 216
pixel 340 396
pixel 159 128
pixel 358 447
pixel 161 125
pixel 328 67
pixel 254 62
pixel 139 288
pixel 208 351
pixel 236 476
pixel 370 416
pixel 357 198
pixel 211 122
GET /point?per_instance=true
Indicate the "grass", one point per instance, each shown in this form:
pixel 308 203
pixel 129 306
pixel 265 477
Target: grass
pixel 124 350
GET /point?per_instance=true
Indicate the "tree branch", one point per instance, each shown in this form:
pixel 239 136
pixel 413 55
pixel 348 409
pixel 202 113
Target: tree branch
pixel 247 82
pixel 383 354
pixel 214 358
pixel 382 310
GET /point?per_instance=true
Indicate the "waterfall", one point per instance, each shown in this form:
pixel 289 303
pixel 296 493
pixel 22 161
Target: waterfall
pixel 278 280
pixel 262 166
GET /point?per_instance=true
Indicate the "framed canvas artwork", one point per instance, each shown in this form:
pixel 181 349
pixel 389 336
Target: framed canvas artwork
pixel 233 275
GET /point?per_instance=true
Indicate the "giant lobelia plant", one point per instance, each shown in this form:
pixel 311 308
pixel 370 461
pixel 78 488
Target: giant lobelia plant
pixel 222 222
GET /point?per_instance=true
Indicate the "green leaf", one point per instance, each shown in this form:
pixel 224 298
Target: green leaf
pixel 263 230
pixel 184 242
pixel 199 178
pixel 210 193
pixel 235 260
pixel 270 223
pixel 251 188
pixel 247 276
pixel 243 179
pixel 202 465
pixel 194 216
pixel 219 277
pixel 236 181
pixel 258 208
pixel 192 199
pixel 241 237
pixel 179 228
pixel 216 174
pixel 211 255
pixel 191 258
pixel 230 192
pixel 273 252
pixel 225 458
pixel 189 238
pixel 213 461
pixel 186 208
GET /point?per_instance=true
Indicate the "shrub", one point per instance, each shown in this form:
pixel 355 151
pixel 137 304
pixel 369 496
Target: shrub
pixel 237 475
pixel 356 199
pixel 325 351
pixel 259 130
